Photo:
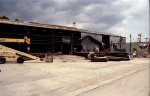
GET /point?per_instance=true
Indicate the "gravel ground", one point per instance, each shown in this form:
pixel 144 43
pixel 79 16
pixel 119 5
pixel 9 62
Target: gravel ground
pixel 73 76
pixel 136 84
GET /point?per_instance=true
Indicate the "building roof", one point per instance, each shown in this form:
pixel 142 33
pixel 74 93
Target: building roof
pixel 50 26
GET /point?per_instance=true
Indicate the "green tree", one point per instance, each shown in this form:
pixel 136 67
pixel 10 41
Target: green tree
pixel 18 20
pixel 4 17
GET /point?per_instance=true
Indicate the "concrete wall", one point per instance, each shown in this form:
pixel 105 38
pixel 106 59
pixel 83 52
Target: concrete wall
pixel 88 45
pixel 95 36
pixel 116 40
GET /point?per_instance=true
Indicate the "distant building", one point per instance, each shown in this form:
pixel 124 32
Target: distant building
pixel 90 44
pixel 142 48
pixel 103 41
pixel 55 38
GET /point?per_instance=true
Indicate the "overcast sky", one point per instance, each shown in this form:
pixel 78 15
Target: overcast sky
pixel 120 17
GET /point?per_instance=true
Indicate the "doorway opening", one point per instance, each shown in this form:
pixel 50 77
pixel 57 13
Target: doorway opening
pixel 66 48
pixel 106 41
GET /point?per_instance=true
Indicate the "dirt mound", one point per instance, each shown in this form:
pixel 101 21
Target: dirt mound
pixel 68 58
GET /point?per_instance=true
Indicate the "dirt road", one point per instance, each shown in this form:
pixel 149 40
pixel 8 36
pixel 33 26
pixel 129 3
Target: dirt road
pixel 136 84
pixel 75 78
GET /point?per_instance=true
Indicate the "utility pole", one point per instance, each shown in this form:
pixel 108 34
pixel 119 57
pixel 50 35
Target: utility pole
pixel 120 41
pixel 149 29
pixel 139 37
pixel 149 40
pixel 138 40
pixel 130 43
pixel 146 40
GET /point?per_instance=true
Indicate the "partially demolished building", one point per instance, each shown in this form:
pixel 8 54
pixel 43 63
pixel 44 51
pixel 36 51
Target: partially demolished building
pixel 55 38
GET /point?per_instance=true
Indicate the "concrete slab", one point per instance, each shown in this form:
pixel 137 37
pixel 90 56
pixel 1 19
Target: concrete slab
pixel 63 78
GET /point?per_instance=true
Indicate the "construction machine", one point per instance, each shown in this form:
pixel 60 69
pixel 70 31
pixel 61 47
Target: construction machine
pixel 14 40
pixel 98 56
pixel 117 54
pixel 9 54
pixel 109 55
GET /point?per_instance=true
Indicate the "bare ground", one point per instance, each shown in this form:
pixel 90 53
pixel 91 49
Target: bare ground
pixel 74 76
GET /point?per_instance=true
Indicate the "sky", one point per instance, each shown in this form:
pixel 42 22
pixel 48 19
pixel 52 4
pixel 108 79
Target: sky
pixel 120 17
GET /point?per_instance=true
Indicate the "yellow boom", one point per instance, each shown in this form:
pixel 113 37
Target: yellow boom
pixel 14 40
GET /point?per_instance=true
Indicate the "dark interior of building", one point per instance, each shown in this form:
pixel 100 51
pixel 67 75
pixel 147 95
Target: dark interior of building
pixel 106 41
pixel 42 39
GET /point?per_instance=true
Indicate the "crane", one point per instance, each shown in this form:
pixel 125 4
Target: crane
pixel 15 40
pixel 9 54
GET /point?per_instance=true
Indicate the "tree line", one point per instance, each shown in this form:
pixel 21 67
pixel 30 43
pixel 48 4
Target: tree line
pixel 7 18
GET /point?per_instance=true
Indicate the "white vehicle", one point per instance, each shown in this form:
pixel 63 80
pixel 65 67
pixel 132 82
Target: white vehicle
pixel 9 56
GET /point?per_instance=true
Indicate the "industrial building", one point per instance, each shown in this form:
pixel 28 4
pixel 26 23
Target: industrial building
pixel 55 38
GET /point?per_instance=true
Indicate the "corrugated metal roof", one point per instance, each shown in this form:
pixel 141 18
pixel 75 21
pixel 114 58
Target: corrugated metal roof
pixel 34 24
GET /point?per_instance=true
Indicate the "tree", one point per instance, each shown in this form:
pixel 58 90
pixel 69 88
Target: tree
pixel 4 17
pixel 18 20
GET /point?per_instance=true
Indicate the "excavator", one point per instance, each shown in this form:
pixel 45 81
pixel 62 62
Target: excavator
pixel 9 54
pixel 109 55
pixel 98 56
pixel 117 54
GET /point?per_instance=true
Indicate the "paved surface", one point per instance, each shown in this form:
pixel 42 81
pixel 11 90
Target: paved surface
pixel 75 77
pixel 136 84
